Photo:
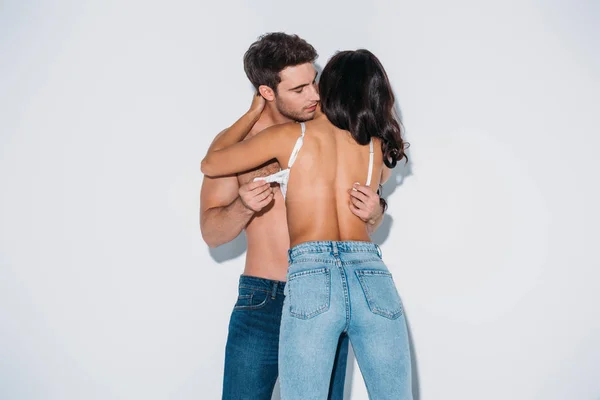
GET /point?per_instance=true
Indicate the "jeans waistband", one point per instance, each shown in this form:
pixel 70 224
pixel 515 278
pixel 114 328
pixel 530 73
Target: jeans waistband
pixel 253 282
pixel 333 247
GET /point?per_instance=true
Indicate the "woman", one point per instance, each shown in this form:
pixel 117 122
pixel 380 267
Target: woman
pixel 337 281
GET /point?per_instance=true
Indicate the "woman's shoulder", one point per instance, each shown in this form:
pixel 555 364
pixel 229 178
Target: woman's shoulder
pixel 287 128
pixel 281 131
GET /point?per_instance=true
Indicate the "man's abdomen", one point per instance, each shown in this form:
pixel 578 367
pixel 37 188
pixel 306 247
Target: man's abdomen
pixel 268 243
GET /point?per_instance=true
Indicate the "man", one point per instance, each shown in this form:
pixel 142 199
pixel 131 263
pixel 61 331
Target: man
pixel 280 67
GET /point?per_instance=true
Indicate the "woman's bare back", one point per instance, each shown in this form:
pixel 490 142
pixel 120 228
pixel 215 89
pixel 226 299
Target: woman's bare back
pixel 328 164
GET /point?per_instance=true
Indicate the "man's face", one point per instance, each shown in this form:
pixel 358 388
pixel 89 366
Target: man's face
pixel 297 95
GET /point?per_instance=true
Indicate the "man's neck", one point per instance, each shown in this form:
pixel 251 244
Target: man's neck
pixel 271 116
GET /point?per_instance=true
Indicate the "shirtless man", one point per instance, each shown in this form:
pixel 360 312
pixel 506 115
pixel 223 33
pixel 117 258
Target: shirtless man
pixel 280 67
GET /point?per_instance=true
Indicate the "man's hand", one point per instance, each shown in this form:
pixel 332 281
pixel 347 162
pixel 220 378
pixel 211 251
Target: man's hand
pixel 258 104
pixel 364 203
pixel 256 195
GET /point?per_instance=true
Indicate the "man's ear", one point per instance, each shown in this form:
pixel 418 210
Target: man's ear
pixel 266 92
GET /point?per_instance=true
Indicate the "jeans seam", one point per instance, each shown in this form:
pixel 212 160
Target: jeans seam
pixel 344 279
pixel 253 288
pixel 330 261
pixel 373 272
pixel 254 306
pixel 354 262
pixel 295 275
pixel 314 260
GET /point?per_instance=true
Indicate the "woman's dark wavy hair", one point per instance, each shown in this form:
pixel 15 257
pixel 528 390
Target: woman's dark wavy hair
pixel 272 53
pixel 356 96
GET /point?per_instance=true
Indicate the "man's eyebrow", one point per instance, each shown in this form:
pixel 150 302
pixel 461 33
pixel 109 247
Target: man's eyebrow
pixel 304 84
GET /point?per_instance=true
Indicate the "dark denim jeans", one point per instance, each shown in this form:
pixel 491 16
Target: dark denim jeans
pixel 252 349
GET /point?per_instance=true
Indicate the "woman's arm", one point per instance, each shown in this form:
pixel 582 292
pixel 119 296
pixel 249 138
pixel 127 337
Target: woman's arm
pixel 228 154
pixel 241 127
pixel 230 136
pixel 245 155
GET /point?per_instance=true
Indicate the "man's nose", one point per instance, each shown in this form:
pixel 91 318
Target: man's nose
pixel 314 94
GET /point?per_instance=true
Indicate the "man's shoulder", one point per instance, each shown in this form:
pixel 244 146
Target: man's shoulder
pixel 270 128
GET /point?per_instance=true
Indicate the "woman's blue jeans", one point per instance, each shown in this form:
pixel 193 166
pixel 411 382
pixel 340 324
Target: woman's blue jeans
pixel 336 288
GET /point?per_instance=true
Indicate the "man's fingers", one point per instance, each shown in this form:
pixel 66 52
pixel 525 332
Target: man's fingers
pixel 265 194
pixel 267 200
pixel 366 190
pixel 358 195
pixel 262 190
pixel 256 191
pixel 357 203
pixel 258 204
pixel 257 184
pixel 262 187
pixel 357 211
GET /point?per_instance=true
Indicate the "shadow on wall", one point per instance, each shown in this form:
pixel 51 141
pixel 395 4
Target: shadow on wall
pixel 231 250
pixel 350 367
pixel 402 170
pixel 416 390
pixel 399 174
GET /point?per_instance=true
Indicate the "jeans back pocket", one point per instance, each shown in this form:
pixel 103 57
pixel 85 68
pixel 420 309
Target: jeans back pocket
pixel 380 292
pixel 308 292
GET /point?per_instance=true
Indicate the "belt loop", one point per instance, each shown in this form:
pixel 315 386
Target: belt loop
pixel 289 256
pixel 334 249
pixel 378 250
pixel 274 290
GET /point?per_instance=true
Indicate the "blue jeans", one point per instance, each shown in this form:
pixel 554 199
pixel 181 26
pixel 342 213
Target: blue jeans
pixel 337 288
pixel 253 343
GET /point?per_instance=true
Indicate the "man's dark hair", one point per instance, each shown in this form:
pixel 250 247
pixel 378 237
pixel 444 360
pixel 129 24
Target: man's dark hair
pixel 272 53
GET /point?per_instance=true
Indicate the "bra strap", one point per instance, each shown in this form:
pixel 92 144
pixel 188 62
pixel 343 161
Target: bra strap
pixel 297 147
pixel 369 176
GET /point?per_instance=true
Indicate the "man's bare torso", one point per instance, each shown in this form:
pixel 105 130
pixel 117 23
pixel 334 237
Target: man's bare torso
pixel 267 232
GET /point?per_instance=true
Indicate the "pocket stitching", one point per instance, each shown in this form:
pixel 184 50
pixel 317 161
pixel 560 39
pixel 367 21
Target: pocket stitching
pixel 254 306
pixel 325 306
pixel 373 272
pixel 360 274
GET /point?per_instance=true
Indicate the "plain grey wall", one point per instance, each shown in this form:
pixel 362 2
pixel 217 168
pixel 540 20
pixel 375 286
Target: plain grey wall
pixel 106 108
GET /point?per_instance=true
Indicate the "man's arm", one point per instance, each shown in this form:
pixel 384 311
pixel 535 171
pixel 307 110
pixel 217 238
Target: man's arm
pixel 226 208
pixel 223 216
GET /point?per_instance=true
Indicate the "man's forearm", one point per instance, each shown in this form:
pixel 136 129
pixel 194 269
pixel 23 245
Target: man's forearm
pixel 220 225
